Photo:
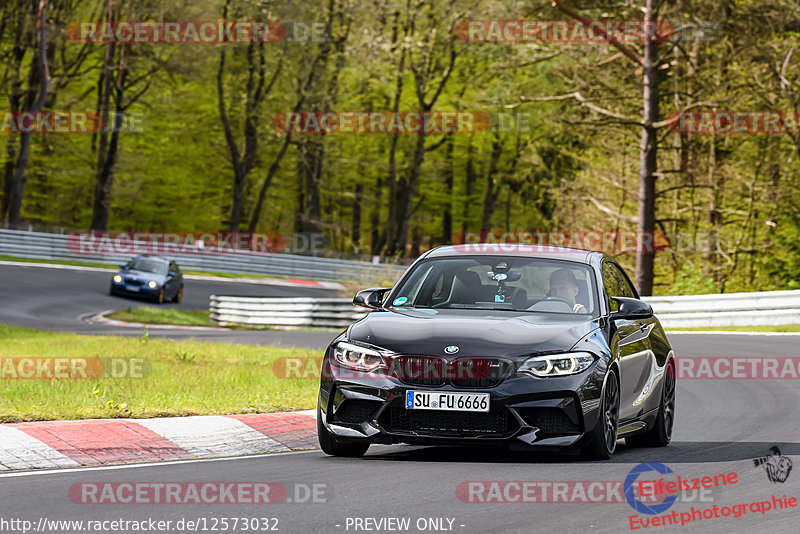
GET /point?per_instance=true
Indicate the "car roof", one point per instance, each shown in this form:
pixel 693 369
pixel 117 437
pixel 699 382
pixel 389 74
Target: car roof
pixel 515 249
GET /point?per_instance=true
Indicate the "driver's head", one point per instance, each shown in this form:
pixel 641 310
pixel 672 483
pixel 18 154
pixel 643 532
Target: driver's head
pixel 564 285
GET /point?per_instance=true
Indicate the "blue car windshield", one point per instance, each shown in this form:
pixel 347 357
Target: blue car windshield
pixel 500 283
pixel 147 266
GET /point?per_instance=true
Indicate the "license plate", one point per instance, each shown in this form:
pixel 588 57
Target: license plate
pixel 132 288
pixel 458 402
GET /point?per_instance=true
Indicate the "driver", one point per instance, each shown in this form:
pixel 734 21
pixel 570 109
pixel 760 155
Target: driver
pixel 564 285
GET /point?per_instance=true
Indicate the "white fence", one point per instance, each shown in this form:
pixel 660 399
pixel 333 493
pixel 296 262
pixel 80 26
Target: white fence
pixel 731 309
pixel 284 312
pixel 728 309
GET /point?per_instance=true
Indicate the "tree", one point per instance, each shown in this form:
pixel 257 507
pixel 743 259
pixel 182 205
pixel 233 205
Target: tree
pixel 42 74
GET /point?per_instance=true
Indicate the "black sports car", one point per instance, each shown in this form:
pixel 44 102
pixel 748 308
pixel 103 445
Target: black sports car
pixel 539 348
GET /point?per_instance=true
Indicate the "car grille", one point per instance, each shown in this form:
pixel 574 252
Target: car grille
pixel 356 411
pixel 480 372
pixel 449 423
pixel 459 373
pixel 133 282
pixel 549 420
pixel 419 370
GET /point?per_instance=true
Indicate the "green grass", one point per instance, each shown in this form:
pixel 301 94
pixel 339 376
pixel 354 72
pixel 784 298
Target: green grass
pixel 151 315
pixel 56 262
pixel 185 378
pixel 759 328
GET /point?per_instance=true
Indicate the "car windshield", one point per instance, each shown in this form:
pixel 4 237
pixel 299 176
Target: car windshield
pixel 148 266
pixel 499 283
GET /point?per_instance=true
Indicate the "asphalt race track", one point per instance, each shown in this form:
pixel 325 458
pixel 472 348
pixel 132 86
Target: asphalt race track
pixel 59 299
pixel 721 426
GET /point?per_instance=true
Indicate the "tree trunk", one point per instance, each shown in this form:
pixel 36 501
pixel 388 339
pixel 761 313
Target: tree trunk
pixel 447 216
pixel 17 189
pixel 404 199
pixel 102 185
pixel 492 187
pixel 647 160
pixel 273 169
pixel 469 180
pixel 310 161
pixel 356 233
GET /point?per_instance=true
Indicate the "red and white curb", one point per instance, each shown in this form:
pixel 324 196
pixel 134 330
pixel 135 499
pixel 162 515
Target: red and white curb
pixel 93 442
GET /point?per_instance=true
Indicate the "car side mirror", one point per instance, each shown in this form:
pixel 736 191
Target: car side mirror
pixel 371 298
pixel 630 308
pixel 170 275
pixel 123 266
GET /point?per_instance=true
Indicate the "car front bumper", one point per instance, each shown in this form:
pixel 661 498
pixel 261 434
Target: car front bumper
pixel 525 412
pixel 122 288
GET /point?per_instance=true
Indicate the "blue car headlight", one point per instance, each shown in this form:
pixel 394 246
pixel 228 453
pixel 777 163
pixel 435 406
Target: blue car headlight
pixel 568 363
pixel 117 279
pixel 152 284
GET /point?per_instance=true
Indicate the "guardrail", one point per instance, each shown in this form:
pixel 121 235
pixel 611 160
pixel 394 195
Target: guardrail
pixel 54 247
pixel 731 309
pixel 284 312
pixel 728 309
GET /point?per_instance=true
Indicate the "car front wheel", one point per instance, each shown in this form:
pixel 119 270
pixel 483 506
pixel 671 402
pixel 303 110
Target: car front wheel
pixel 603 440
pixel 332 447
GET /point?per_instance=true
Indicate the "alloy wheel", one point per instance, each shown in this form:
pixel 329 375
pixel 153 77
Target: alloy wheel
pixel 611 413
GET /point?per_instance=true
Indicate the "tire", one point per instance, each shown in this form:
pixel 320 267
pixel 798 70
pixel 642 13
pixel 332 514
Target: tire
pixel 332 447
pixel 603 440
pixel 178 296
pixel 661 433
pixel 160 297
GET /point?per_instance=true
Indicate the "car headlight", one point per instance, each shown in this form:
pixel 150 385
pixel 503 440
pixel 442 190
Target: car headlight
pixel 152 284
pixel 117 278
pixel 569 363
pixel 358 358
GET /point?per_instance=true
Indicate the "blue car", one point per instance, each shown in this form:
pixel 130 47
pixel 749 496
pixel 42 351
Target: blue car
pixel 151 277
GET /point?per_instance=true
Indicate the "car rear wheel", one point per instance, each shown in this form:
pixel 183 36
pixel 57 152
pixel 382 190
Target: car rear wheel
pixel 332 447
pixel 603 440
pixel 661 433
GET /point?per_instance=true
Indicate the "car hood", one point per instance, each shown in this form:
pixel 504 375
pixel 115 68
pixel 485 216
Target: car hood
pixel 475 332
pixel 141 275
